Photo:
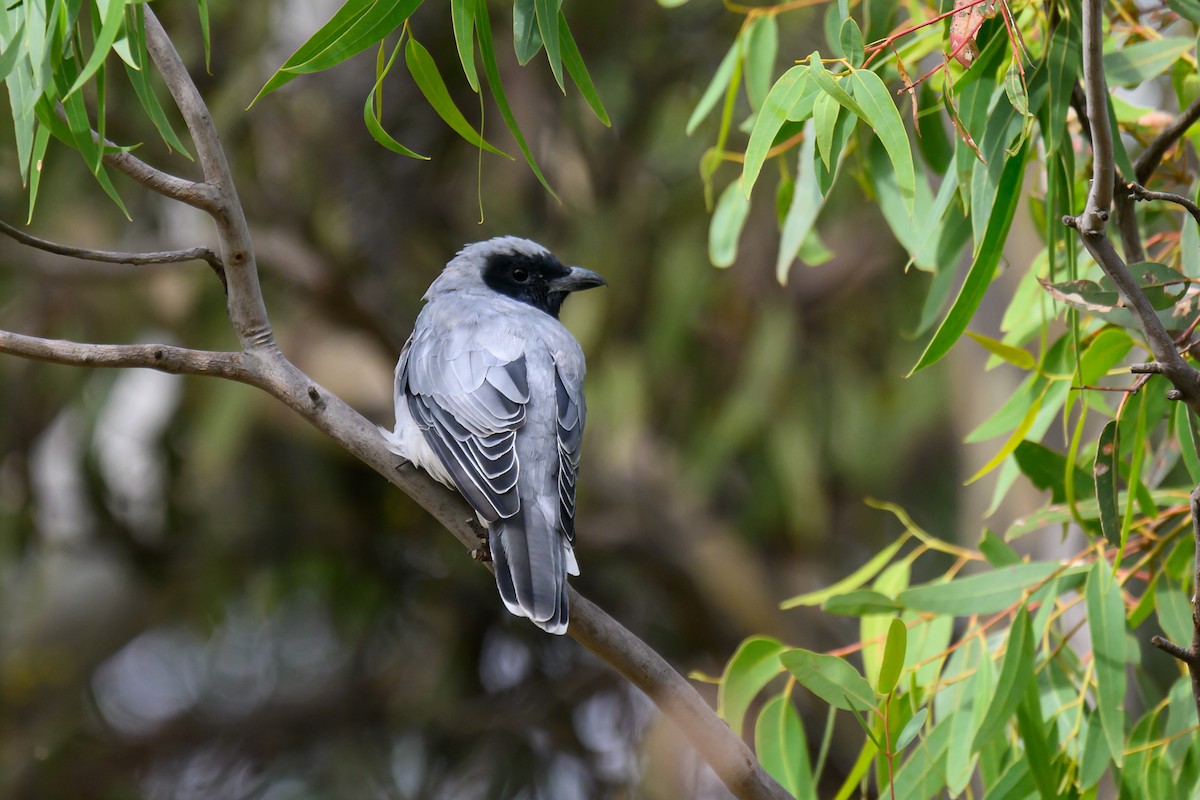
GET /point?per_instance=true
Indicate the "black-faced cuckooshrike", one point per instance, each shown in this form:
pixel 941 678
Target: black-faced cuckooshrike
pixel 489 400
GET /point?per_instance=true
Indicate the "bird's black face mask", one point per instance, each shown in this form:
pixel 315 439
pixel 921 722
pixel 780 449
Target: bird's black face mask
pixel 541 281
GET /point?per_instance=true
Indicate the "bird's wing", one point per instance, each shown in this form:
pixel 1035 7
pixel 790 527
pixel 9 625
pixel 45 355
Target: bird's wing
pixel 469 402
pixel 571 414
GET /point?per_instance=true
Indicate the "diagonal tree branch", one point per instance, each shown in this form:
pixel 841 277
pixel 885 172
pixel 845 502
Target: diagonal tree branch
pixel 197 195
pixel 1153 155
pixel 263 365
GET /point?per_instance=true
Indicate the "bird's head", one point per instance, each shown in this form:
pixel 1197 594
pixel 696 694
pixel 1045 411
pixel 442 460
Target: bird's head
pixel 516 268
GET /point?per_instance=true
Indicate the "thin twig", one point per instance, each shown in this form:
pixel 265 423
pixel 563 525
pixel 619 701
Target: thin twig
pixel 1139 192
pixel 162 357
pixel 1152 156
pixel 1190 656
pixel 197 195
pixel 111 257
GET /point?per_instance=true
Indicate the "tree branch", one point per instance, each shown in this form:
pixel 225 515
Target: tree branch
pixel 1139 192
pixel 1190 656
pixel 247 312
pixel 110 257
pixel 1152 156
pixel 1094 218
pixel 1182 375
pixel 263 365
pixel 162 357
pixel 197 195
pixel 1127 226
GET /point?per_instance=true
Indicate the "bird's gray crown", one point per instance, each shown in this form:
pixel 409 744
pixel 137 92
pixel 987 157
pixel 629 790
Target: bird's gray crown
pixel 517 268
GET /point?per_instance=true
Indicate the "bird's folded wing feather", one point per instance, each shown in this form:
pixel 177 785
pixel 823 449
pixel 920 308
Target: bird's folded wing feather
pixel 470 402
pixel 571 414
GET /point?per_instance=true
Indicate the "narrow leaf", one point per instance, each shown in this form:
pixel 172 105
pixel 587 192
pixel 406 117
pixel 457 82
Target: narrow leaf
pixel 860 602
pixel 112 12
pixel 40 140
pixel 716 89
pixel 806 206
pixel 984 593
pixel 1016 356
pixel 483 30
pixel 783 95
pixel 879 112
pixel 911 728
pixel 894 651
pixel 1105 472
pixel 579 73
pixel 832 87
pixel 1185 430
pixel 851 39
pixel 527 38
pixel 826 111
pixel 463 19
pixel 425 72
pixel 547 20
pixel 1175 614
pixel 383 17
pixel 1015 672
pixel 1014 440
pixel 1106 622
pixel 987 258
pixel 1137 63
pixel 725 228
pixel 205 33
pixel 371 113
pixel 762 44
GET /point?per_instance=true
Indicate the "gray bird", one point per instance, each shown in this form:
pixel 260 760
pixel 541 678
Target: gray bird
pixel 489 400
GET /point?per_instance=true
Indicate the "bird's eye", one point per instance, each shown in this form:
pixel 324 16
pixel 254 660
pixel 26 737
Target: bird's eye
pixel 520 274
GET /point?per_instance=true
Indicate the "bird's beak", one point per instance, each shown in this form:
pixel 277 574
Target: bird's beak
pixel 576 280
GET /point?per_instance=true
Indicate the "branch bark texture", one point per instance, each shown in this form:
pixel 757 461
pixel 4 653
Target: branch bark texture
pixel 263 365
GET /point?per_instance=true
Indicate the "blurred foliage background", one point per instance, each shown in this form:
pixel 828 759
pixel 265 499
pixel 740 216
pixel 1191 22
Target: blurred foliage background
pixel 204 598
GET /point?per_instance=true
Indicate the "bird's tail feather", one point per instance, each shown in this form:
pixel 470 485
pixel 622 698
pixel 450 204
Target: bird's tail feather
pixel 531 568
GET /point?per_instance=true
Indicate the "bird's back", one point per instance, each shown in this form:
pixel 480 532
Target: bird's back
pixel 459 339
